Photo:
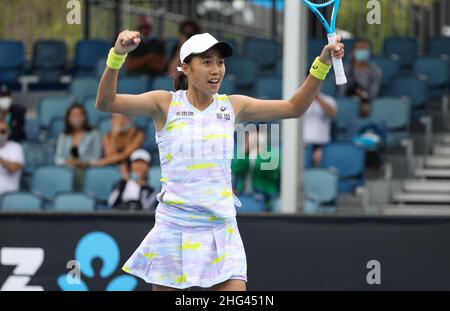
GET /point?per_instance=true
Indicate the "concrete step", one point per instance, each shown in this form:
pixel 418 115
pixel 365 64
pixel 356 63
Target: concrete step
pixel 437 161
pixel 432 173
pixel 415 210
pixel 430 198
pixel 440 149
pixel 426 186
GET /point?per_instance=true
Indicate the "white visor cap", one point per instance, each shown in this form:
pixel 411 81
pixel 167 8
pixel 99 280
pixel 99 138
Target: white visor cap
pixel 140 154
pixel 200 43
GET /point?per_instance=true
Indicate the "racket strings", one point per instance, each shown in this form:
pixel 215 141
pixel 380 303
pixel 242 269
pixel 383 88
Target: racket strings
pixel 320 2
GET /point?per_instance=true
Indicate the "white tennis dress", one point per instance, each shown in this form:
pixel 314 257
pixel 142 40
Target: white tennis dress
pixel 195 240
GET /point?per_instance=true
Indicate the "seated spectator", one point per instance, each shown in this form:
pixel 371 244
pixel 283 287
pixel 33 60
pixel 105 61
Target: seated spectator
pixel 13 114
pixel 12 160
pixel 79 144
pixel 317 125
pixel 187 29
pixel 364 77
pixel 149 57
pixel 248 174
pixel 120 142
pixel 133 192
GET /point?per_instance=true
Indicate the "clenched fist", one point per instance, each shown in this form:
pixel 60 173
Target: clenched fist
pixel 127 41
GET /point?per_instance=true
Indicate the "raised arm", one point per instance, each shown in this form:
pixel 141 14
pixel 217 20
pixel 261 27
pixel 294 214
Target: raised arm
pixel 146 104
pixel 248 108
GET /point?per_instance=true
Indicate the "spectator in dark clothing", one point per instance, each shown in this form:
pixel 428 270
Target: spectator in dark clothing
pixel 13 114
pixel 149 57
pixel 187 29
pixel 133 192
pixel 364 77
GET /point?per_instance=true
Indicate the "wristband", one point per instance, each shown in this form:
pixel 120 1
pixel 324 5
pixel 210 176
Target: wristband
pixel 319 69
pixel 115 61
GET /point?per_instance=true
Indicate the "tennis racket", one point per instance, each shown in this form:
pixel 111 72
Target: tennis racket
pixel 314 6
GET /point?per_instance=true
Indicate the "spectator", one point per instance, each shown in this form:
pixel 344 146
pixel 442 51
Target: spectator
pixel 187 29
pixel 12 160
pixel 317 125
pixel 133 192
pixel 364 77
pixel 120 142
pixel 13 115
pixel 79 144
pixel 149 57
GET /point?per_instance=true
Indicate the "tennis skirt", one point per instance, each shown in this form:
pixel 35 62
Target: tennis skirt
pixel 203 251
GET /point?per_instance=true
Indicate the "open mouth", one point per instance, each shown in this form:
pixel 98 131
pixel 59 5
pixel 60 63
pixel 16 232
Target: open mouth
pixel 214 81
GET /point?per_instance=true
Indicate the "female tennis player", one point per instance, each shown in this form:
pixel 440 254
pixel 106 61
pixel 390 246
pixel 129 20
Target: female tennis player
pixel 195 240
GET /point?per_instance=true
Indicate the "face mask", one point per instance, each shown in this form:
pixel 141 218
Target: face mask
pixel 3 138
pixel 362 55
pixel 134 176
pixel 5 103
pixel 77 123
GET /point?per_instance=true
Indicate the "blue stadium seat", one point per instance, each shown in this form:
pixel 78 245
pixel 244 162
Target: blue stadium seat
pixel 154 177
pixel 307 155
pixel 403 50
pixel 348 45
pixel 417 91
pixel 269 87
pixel 142 122
pixel 49 59
pixel 12 59
pixel 234 44
pixel 315 47
pixel 249 204
pixel 50 107
pixel 349 162
pixel 21 201
pixel 37 154
pixel 87 54
pixel 82 88
pixel 163 83
pixel 433 70
pixel 439 47
pixel 132 85
pixel 279 67
pixel 347 111
pixel 243 70
pixel 93 114
pixel 49 180
pixel 98 181
pixel 394 113
pixel 389 68
pixel 73 201
pixel 170 45
pixel 329 85
pixel 150 140
pixel 32 129
pixel 56 127
pixel 227 86
pixel 263 51
pixel 321 185
pixel 104 125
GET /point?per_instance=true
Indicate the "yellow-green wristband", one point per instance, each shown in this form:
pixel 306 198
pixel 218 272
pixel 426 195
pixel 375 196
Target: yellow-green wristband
pixel 114 60
pixel 319 69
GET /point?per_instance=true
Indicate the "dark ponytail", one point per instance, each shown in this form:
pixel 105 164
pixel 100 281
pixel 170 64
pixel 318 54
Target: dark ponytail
pixel 181 82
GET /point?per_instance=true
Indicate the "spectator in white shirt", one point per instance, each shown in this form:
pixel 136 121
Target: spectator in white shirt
pixel 317 124
pixel 12 160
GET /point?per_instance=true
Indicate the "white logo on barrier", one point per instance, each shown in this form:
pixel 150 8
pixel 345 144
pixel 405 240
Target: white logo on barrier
pixel 74 15
pixel 27 262
pixel 374 275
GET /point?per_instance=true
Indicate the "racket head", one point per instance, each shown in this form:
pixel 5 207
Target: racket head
pixel 315 5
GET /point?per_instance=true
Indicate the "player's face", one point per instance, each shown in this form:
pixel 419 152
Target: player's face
pixel 207 71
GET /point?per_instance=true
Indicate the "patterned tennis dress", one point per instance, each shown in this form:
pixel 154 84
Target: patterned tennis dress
pixel 195 240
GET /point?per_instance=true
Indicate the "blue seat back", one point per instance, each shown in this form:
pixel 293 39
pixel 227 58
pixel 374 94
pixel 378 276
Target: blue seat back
pixel 98 181
pixel 49 180
pixel 20 201
pixel 50 107
pixel 73 201
pixel 321 184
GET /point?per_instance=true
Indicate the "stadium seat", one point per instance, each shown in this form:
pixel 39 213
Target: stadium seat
pixel 348 45
pixel 315 47
pixel 347 111
pixel 269 87
pixel 87 54
pixel 250 204
pixel 32 129
pixel 49 59
pixel 321 185
pixel 142 122
pixel 37 154
pixel 417 91
pixel 279 67
pixel 82 88
pixel 349 162
pixel 227 86
pixel 56 127
pixel 394 113
pixel 162 83
pixel 104 125
pixel 439 47
pixel 94 115
pixel 150 140
pixel 243 70
pixel 389 68
pixel 98 181
pixel 234 44
pixel 12 59
pixel 49 180
pixel 307 156
pixel 154 177
pixel 21 201
pixel 50 107
pixel 329 86
pixel 73 201
pixel 169 46
pixel 403 50
pixel 433 70
pixel 132 85
pixel 263 51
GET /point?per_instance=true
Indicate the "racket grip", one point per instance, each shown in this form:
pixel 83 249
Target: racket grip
pixel 338 66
